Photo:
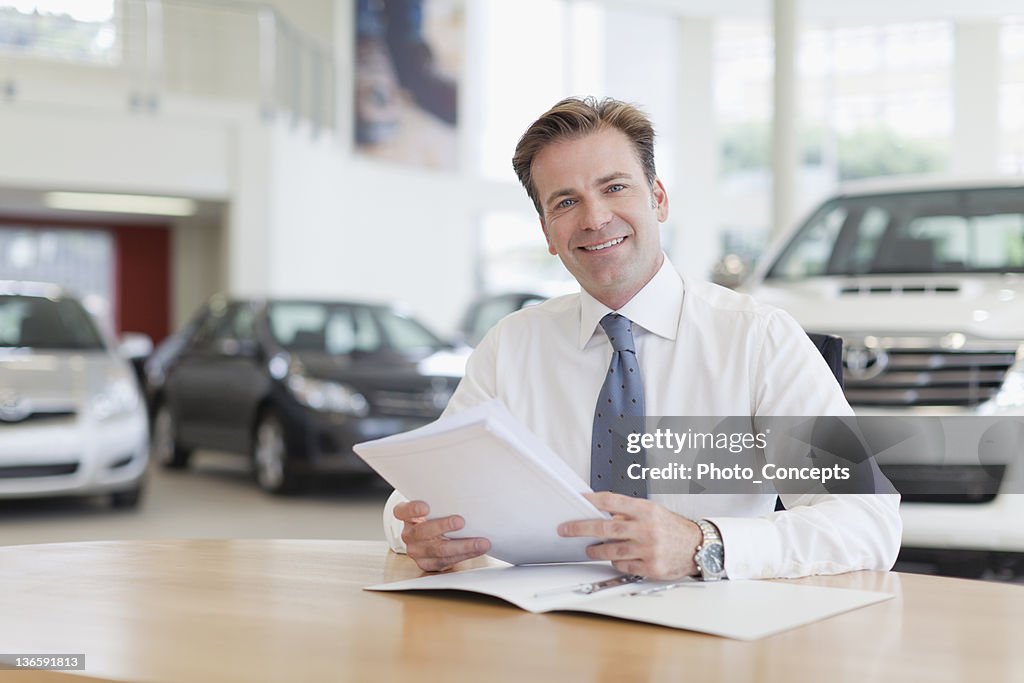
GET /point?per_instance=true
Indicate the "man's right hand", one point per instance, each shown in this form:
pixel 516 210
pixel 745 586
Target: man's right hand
pixel 425 539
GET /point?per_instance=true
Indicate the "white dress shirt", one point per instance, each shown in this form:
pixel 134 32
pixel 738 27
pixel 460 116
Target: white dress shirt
pixel 702 350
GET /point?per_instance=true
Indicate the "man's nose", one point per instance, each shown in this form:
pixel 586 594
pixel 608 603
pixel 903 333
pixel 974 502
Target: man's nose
pixel 596 215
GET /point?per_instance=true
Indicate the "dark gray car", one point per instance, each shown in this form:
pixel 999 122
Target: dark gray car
pixel 294 384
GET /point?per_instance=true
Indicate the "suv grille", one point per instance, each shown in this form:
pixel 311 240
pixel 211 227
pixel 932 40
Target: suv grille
pixel 929 377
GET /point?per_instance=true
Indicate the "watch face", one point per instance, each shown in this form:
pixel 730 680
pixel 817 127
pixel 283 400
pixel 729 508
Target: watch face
pixel 712 559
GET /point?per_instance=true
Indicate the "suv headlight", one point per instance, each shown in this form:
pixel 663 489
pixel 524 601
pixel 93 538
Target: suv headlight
pixel 333 397
pixel 118 398
pixel 1011 394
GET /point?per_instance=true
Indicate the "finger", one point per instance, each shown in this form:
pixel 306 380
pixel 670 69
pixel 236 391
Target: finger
pixel 638 567
pixel 411 510
pixel 616 552
pixel 448 548
pixel 431 528
pixel 615 529
pixel 618 504
pixel 438 555
pixel 434 564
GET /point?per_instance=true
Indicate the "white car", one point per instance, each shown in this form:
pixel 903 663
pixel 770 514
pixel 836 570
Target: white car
pixel 924 280
pixel 72 420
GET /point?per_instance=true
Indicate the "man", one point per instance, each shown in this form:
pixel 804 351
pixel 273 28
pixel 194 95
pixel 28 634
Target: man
pixel 682 347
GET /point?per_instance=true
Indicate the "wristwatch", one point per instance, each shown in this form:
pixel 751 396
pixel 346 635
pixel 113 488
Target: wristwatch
pixel 710 557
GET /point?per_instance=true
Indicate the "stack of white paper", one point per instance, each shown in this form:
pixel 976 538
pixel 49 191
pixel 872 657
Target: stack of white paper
pixel 508 485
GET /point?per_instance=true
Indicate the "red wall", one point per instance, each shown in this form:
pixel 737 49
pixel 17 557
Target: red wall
pixel 143 280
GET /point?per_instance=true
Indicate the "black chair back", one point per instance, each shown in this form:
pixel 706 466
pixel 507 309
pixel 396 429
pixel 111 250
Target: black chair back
pixel 831 348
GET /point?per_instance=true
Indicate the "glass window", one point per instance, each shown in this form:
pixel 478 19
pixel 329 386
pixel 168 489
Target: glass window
pixel 75 30
pixel 299 326
pixel 79 261
pixel 352 329
pixel 808 255
pixel 875 100
pixel 405 334
pixel 514 257
pixel 37 322
pixel 1011 95
pixel 926 232
pixel 237 323
pixel 329 328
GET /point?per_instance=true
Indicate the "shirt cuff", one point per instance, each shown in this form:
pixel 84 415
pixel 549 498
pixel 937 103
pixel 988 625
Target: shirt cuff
pixel 393 527
pixel 752 547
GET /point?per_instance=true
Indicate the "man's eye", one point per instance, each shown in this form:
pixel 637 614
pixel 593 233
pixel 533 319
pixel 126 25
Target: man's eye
pixel 565 203
pixel 617 188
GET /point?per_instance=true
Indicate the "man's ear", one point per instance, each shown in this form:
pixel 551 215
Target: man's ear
pixel 659 200
pixel 544 227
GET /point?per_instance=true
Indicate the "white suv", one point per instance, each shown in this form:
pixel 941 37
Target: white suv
pixel 924 280
pixel 72 420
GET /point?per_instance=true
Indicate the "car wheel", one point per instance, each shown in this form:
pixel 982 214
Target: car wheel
pixel 270 456
pixel 124 500
pixel 164 446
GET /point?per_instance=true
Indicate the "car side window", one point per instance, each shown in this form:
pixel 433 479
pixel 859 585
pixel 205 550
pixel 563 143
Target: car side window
pixel 207 332
pixel 368 334
pixel 340 332
pixel 240 324
pixel 236 321
pixel 809 254
pixel 405 334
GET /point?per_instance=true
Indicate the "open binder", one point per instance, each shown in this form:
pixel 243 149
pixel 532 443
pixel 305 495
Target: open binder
pixel 743 610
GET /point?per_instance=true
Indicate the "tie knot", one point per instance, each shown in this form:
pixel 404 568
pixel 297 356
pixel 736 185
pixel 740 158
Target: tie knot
pixel 619 331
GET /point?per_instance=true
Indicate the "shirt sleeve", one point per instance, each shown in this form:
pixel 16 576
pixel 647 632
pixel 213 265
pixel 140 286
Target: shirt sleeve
pixel 816 534
pixel 477 385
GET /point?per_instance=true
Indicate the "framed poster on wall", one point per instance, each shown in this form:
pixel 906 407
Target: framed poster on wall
pixel 408 59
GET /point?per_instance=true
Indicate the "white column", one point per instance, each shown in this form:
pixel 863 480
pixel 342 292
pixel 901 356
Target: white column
pixel 692 205
pixel 344 72
pixel 785 119
pixel 246 240
pixel 976 99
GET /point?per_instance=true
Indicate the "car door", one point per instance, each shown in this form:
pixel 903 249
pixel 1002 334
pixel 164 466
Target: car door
pixel 219 381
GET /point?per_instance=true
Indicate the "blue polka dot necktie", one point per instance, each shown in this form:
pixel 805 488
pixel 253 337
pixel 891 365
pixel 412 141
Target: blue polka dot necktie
pixel 619 412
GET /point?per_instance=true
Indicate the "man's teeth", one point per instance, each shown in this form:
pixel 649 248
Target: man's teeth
pixel 605 245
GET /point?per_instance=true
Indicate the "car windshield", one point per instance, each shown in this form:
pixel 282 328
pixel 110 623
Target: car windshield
pixel 950 231
pixel 38 322
pixel 346 328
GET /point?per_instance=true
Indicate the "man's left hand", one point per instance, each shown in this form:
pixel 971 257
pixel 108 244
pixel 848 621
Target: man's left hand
pixel 641 538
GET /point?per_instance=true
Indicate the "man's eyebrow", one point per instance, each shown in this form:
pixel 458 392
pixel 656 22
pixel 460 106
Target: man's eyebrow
pixel 617 175
pixel 568 191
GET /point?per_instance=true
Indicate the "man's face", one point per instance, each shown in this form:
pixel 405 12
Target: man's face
pixel 599 214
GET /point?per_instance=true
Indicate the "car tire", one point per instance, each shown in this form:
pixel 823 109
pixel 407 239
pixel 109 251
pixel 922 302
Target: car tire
pixel 164 446
pixel 126 500
pixel 270 456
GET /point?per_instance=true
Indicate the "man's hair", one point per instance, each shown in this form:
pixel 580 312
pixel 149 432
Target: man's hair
pixel 575 117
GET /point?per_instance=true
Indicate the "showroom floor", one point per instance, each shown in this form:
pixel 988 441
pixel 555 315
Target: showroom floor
pixel 216 498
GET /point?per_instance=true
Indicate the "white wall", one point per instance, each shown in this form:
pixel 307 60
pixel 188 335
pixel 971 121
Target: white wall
pixel 51 147
pixel 355 228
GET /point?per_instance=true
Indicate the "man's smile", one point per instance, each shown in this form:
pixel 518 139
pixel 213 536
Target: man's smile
pixel 604 245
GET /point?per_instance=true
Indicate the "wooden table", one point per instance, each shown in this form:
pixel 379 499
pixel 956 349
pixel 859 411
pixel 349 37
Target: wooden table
pixel 249 610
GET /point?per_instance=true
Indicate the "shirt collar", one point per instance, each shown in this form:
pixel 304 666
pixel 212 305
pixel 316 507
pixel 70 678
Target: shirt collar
pixel 656 308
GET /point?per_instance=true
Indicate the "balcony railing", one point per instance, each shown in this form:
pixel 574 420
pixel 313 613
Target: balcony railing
pixel 212 50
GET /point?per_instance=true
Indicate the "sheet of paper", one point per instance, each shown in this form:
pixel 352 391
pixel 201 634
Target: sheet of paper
pixel 743 610
pixel 485 466
pixel 536 588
